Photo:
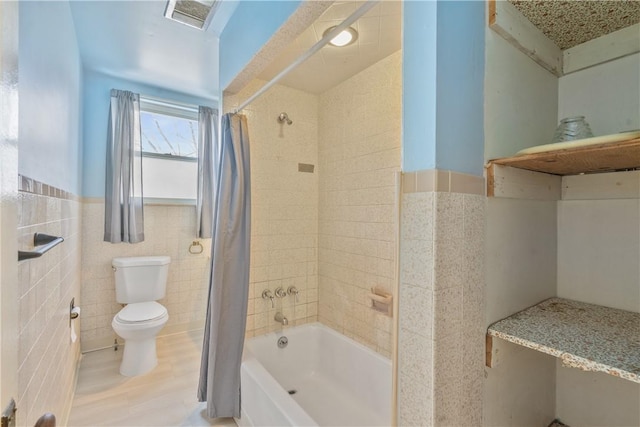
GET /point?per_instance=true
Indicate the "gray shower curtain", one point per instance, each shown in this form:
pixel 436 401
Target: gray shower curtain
pixel 123 209
pixel 207 143
pixel 229 279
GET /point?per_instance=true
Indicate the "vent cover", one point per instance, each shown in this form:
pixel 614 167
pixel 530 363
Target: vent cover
pixel 195 13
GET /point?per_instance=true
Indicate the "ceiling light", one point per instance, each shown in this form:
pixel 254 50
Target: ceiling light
pixel 344 38
pixel 195 13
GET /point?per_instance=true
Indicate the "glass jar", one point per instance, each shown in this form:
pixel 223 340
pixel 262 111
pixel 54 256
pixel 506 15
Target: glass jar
pixel 572 128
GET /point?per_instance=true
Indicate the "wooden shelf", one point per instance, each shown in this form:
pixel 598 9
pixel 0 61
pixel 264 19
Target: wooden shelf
pixel 585 336
pixel 606 157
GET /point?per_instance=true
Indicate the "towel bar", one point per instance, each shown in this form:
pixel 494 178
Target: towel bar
pixel 44 243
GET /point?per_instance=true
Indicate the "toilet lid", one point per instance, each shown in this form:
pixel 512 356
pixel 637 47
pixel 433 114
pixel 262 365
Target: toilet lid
pixel 141 312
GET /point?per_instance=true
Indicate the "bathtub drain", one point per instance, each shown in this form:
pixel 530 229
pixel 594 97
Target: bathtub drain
pixel 292 391
pixel 282 342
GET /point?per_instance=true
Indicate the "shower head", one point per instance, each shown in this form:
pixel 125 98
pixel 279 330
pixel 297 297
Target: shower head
pixel 284 117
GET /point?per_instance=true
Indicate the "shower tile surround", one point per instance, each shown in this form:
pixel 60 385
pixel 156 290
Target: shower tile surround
pixel 47 358
pixel 296 238
pixel 284 205
pixel 441 319
pixel 359 157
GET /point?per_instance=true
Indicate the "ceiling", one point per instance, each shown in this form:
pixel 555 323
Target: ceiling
pixel 133 40
pixel 146 47
pixel 380 34
pixel 570 23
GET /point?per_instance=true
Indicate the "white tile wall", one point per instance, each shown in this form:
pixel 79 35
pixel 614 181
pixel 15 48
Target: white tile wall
pixel 169 230
pixel 284 217
pixel 359 154
pixel 47 358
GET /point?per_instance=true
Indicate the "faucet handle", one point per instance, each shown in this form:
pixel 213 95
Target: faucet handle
pixel 281 293
pixel 267 294
pixel 293 291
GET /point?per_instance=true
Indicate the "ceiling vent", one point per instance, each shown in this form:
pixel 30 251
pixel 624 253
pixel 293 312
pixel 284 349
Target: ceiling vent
pixel 195 13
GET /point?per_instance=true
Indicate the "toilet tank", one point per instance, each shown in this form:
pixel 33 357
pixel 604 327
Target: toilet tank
pixel 140 279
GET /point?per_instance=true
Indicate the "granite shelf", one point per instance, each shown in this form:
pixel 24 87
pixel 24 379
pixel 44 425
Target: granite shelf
pixel 585 336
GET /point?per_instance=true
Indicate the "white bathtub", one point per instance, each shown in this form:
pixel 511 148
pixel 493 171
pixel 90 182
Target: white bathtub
pixel 337 381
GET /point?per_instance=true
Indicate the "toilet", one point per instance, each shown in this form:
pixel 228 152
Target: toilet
pixel 140 282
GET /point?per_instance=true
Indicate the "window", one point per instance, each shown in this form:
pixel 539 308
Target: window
pixel 169 150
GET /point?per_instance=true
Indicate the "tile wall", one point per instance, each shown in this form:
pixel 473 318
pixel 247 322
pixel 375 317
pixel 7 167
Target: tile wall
pixel 47 358
pixel 359 156
pixel 284 211
pixel 169 230
pixel 441 337
pixel 283 240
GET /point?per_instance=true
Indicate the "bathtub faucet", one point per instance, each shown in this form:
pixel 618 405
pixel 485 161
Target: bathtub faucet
pixel 280 318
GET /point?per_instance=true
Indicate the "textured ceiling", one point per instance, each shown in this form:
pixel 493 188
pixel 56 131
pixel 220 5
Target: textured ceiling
pixel 380 34
pixel 570 23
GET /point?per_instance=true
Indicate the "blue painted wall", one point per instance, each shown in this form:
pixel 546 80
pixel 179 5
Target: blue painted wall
pixel 419 85
pixel 50 113
pixel 97 88
pixel 443 86
pixel 460 87
pixel 251 26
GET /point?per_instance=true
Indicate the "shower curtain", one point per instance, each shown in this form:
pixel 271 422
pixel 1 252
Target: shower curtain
pixel 207 143
pixel 226 317
pixel 123 210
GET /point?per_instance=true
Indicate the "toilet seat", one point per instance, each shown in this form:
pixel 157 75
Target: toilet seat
pixel 141 312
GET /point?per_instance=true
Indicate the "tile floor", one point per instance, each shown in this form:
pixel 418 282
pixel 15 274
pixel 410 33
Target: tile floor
pixel 164 397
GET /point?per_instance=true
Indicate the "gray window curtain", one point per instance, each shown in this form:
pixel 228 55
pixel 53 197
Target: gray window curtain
pixel 229 280
pixel 123 211
pixel 207 136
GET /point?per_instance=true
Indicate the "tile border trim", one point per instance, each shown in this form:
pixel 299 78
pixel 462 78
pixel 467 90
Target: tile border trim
pixel 443 181
pixel 33 186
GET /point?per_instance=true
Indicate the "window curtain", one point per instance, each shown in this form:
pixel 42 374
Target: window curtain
pixel 123 211
pixel 207 143
pixel 226 317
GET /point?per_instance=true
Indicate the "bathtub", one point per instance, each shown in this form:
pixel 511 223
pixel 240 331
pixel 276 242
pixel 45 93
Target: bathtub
pixel 321 378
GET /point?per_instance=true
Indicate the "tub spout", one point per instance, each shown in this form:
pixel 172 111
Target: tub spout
pixel 280 318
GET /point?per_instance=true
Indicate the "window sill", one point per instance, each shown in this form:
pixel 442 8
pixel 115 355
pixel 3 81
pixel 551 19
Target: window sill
pixel 158 201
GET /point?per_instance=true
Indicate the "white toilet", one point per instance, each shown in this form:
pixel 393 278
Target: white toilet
pixel 140 281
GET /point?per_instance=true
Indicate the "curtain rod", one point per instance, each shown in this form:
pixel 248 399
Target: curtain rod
pixel 316 47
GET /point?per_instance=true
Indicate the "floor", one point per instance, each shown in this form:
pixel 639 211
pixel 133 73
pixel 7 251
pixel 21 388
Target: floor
pixel 164 397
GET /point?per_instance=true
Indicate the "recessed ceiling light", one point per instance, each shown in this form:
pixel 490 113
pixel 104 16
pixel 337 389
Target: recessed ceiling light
pixel 344 38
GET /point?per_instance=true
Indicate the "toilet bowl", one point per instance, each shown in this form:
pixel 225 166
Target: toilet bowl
pixel 140 281
pixel 138 324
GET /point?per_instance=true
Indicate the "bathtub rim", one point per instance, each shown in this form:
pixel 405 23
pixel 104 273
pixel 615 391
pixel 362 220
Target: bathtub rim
pixel 318 325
